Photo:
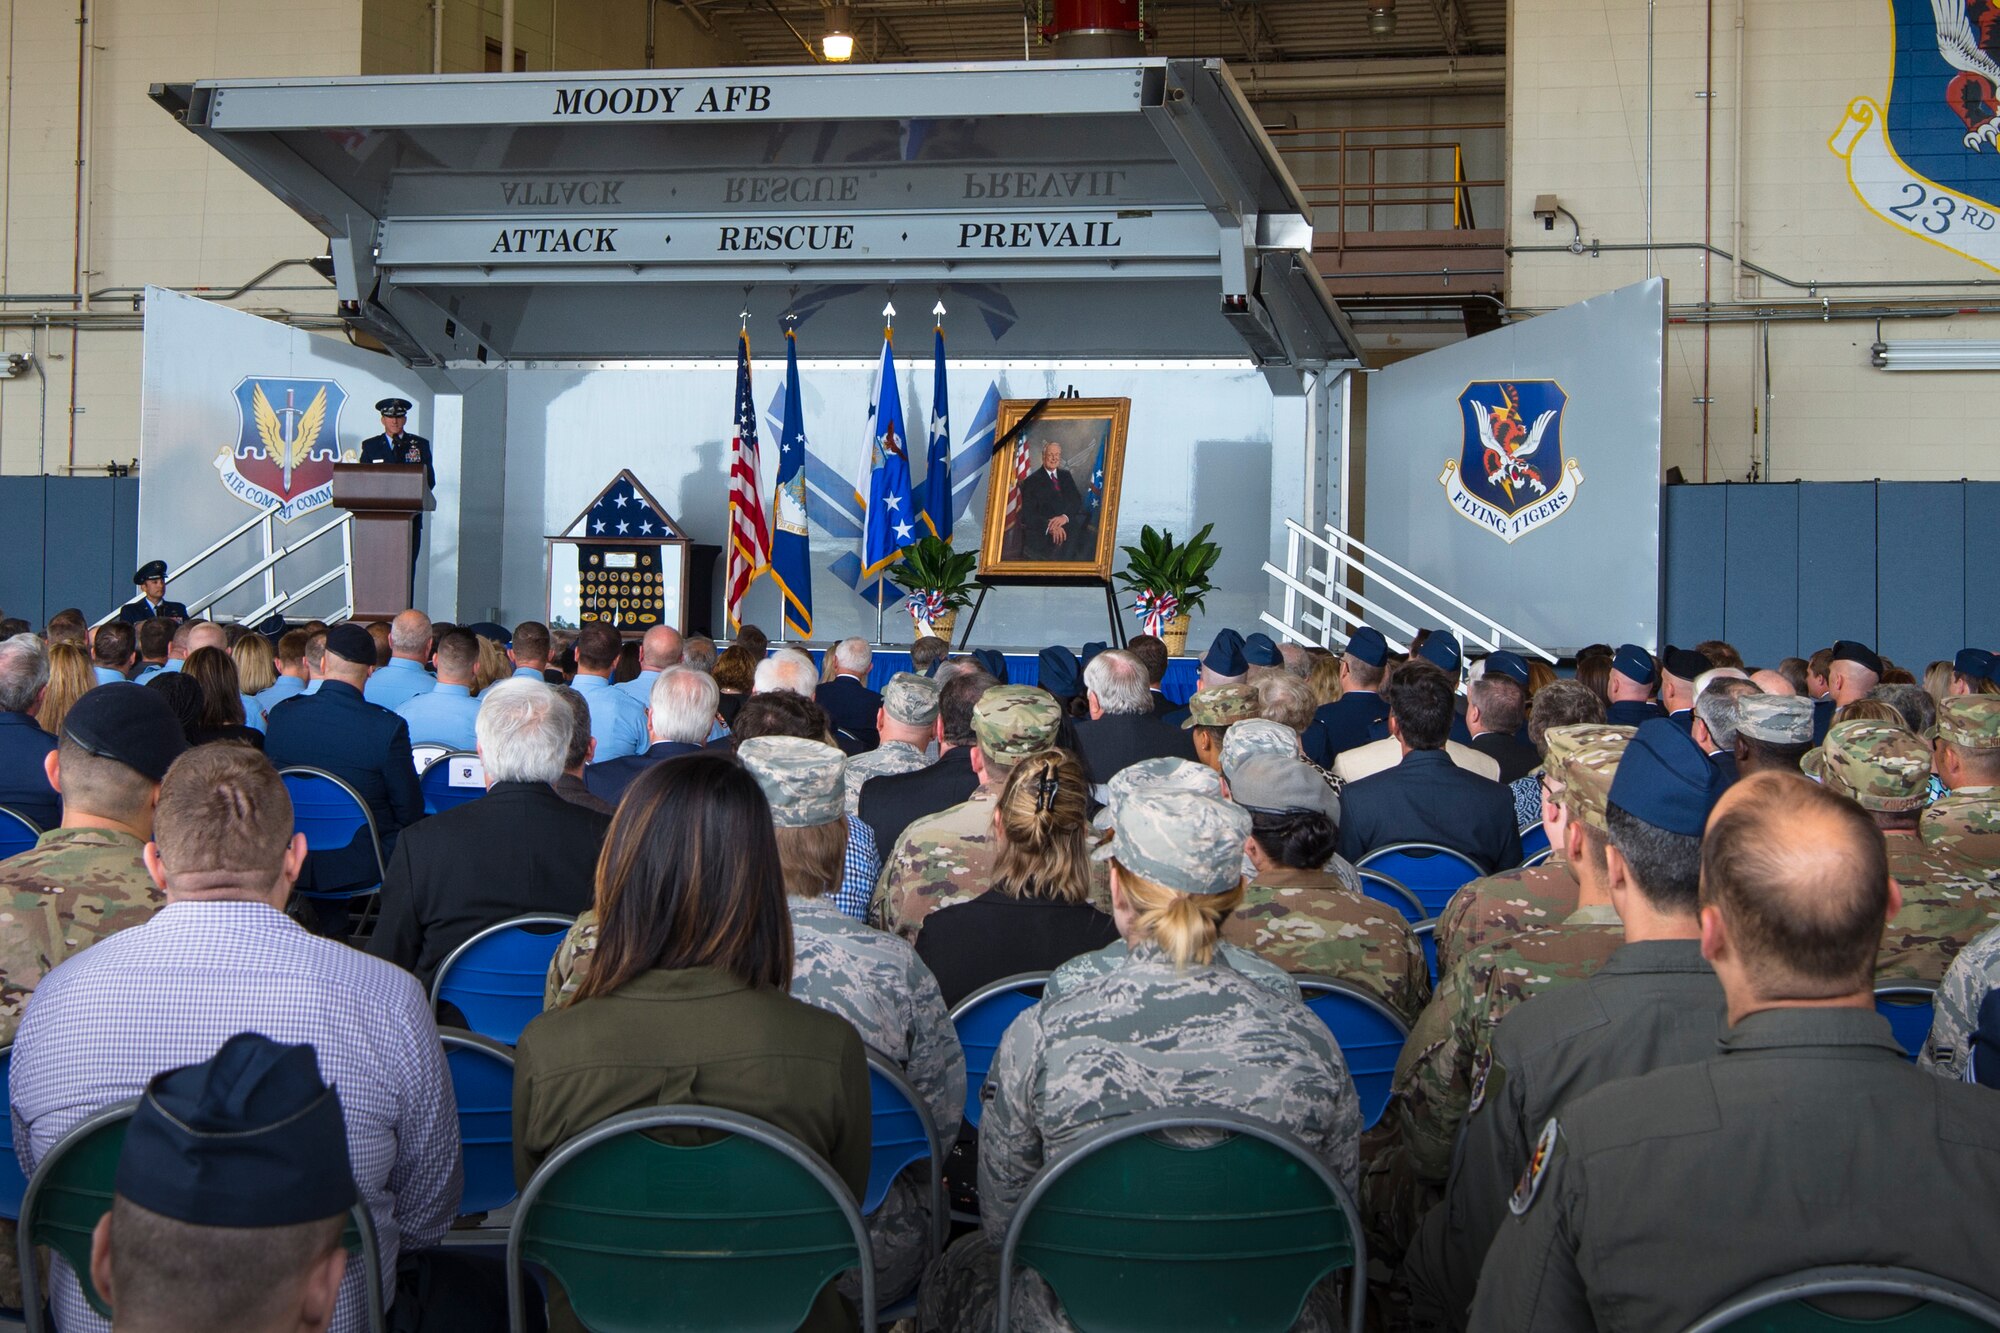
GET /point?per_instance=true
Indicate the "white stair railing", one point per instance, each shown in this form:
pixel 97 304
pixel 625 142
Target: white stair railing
pixel 1319 607
pixel 275 598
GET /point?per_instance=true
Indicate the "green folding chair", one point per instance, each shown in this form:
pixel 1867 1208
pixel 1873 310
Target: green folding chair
pixel 739 1232
pixel 1853 1298
pixel 72 1188
pixel 1140 1234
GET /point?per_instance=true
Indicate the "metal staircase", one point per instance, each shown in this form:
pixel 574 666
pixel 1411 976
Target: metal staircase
pixel 1319 607
pixel 276 599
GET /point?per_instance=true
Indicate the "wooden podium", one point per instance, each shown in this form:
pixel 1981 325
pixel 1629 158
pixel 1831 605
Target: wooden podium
pixel 385 499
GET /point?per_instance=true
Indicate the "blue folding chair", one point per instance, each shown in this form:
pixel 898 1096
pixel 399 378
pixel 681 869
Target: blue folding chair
pixel 17 832
pixel 982 1019
pixel 901 1133
pixel 1534 841
pixel 1853 1298
pixel 1387 889
pixel 496 978
pixel 1907 1005
pixel 425 753
pixel 1426 869
pixel 329 813
pixel 1369 1033
pixel 452 779
pixel 482 1083
pixel 12 1183
pixel 1533 859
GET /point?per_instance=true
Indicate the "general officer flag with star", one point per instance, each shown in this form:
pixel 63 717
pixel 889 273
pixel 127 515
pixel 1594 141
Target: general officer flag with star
pixel 791 552
pixel 938 510
pixel 891 519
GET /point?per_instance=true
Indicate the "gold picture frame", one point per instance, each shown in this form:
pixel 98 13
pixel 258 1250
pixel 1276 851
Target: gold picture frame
pixel 1090 433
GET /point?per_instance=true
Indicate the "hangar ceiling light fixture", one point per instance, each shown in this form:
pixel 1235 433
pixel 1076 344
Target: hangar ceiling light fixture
pixel 837 42
pixel 1382 18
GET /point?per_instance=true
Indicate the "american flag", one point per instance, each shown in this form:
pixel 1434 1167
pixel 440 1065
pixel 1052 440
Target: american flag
pixel 749 535
pixel 1021 470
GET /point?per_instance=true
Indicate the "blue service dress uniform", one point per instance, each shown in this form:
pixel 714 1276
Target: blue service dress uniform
pixel 406 447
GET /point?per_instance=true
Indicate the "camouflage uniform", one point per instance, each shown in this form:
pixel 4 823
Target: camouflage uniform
pixel 1971 976
pixel 1086 968
pixel 1161 774
pixel 1505 904
pixel 1308 921
pixel 572 958
pixel 911 700
pixel 948 857
pixel 1965 825
pixel 1222 706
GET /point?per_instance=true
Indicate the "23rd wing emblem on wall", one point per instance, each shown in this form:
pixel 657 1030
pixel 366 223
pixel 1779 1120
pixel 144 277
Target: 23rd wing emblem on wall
pixel 287 441
pixel 1929 162
pixel 1510 476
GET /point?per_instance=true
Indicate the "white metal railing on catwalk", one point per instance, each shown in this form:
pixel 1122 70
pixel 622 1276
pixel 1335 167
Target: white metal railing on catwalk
pixel 264 522
pixel 1319 607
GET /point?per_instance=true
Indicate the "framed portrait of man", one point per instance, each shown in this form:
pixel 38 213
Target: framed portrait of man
pixel 1052 496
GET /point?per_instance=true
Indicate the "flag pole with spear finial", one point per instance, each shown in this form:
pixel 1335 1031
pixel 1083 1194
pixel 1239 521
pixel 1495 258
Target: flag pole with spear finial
pixel 881 579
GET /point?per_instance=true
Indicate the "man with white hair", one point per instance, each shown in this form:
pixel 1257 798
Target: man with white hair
pixel 24 785
pixel 519 848
pixel 659 650
pixel 679 714
pixel 786 669
pixel 1122 729
pixel 1718 712
pixel 404 678
pixel 847 698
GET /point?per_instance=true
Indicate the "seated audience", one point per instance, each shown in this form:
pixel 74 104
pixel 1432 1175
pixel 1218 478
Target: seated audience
pixel 906 724
pixel 891 803
pixel 735 673
pixel 518 849
pixel 659 650
pixel 289 665
pixel 698 652
pixel 1964 823
pixel 1427 798
pixel 1918 709
pixel 111 652
pixel 617 720
pixel 232 1192
pixel 1209 714
pixel 1851 670
pixel 446 713
pixel 1122 729
pixel 571 786
pixel 24 745
pixel 213 672
pixel 678 719
pixel 1773 732
pixel 492 664
pixel 787 669
pixel 785 713
pixel 153 638
pixel 1151 650
pixel 528 650
pixel 1496 708
pixel 1038 914
pixel 1718 715
pixel 207 634
pixel 1633 676
pixel 256 666
pixel 1288 700
pixel 1167 1027
pixel 401 676
pixel 926 653
pixel 221 957
pixel 70 678
pixel 1560 703
pixel 686 999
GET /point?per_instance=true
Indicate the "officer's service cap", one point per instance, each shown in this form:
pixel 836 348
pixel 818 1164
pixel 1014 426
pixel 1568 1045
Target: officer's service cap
pixel 1368 647
pixel 1180 840
pixel 352 643
pixel 1847 650
pixel 1877 765
pixel 393 407
pixel 1665 780
pixel 1635 664
pixel 152 569
pixel 801 778
pixel 251 1137
pixel 910 699
pixel 1775 719
pixel 127 724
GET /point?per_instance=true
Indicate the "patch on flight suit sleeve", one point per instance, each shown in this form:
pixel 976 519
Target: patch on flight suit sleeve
pixel 1523 1197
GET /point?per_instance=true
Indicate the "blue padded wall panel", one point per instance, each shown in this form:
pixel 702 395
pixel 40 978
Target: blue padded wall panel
pixel 1761 576
pixel 1836 564
pixel 80 523
pixel 1920 579
pixel 124 537
pixel 1982 558
pixel 21 560
pixel 1692 585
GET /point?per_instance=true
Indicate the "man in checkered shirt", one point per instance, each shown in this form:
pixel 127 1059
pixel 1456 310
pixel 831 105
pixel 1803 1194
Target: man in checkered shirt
pixel 222 958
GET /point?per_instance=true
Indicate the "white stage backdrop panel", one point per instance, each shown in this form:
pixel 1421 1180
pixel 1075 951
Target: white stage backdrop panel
pixel 239 413
pixel 1520 470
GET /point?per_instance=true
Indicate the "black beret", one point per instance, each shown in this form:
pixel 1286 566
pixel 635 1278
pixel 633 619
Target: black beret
pixel 251 1137
pixel 1685 663
pixel 152 569
pixel 127 724
pixel 352 642
pixel 1847 650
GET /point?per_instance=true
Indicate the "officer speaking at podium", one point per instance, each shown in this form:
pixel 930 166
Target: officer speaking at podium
pixel 396 445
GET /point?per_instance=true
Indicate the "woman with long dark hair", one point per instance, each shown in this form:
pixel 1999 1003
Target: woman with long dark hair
pixel 222 714
pixel 685 1000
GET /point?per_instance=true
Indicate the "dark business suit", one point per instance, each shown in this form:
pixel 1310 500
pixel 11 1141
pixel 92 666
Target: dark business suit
pixel 1516 757
pixel 1044 498
pixel 607 781
pixel 24 783
pixel 1823 710
pixel 1342 725
pixel 894 801
pixel 520 848
pixel 139 609
pixel 852 706
pixel 366 747
pixel 1162 705
pixel 1725 764
pixel 1633 712
pixel 1427 798
pixel 1118 741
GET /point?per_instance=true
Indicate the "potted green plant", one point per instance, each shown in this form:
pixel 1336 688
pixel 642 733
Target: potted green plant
pixel 938 581
pixel 1168 581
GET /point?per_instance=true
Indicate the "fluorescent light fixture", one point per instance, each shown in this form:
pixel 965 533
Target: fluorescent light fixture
pixel 1382 18
pixel 1937 354
pixel 837 43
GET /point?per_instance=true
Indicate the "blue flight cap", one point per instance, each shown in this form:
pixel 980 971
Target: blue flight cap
pixel 486 629
pixel 1509 665
pixel 1441 651
pixel 1635 664
pixel 1090 650
pixel 1368 647
pixel 1665 780
pixel 991 662
pixel 1058 672
pixel 1974 664
pixel 1225 654
pixel 1260 651
pixel 250 1137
